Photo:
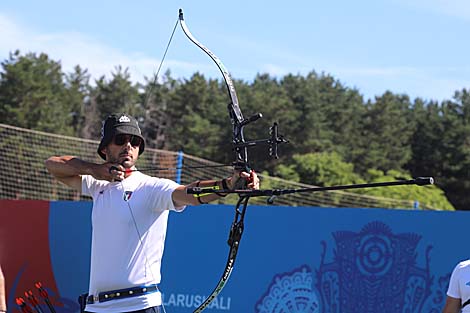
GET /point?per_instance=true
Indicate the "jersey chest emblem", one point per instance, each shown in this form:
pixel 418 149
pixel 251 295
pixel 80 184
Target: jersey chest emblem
pixel 127 195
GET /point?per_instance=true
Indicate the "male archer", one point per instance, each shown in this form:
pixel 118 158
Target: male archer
pixel 129 216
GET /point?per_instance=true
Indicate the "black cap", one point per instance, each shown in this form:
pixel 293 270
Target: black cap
pixel 119 123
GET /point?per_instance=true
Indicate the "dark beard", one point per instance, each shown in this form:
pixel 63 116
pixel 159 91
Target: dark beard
pixel 127 162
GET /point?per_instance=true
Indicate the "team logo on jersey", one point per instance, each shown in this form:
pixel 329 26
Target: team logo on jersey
pixel 127 195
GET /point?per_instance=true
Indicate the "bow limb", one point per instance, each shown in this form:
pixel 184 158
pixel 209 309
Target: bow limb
pixel 236 116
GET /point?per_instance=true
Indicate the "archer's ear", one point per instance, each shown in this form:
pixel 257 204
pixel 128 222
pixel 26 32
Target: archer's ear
pixel 104 150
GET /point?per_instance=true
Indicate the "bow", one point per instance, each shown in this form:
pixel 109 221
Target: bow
pixel 240 147
pixel 241 162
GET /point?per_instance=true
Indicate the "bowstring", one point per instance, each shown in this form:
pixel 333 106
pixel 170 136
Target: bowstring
pixel 148 169
pixel 144 250
pixel 155 76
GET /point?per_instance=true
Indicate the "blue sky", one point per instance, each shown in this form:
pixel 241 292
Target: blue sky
pixel 417 47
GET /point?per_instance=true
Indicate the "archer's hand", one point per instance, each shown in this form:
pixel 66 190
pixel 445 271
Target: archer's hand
pixel 243 180
pixel 109 171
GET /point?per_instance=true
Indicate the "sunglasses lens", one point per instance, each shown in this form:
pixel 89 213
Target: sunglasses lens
pixel 119 140
pixel 135 141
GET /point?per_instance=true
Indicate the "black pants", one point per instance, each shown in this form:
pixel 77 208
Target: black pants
pixel 155 309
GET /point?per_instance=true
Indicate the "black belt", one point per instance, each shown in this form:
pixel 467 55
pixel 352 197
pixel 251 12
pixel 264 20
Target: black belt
pixel 121 293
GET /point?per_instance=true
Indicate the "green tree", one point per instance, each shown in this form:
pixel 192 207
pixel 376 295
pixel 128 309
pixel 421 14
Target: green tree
pixel 430 196
pixel 321 169
pixel 343 110
pixel 155 101
pixel 194 113
pixel 77 95
pixel 309 131
pixel 386 129
pixel 32 94
pixel 328 169
pixel 454 149
pixel 118 94
pixel 265 95
pixel 427 140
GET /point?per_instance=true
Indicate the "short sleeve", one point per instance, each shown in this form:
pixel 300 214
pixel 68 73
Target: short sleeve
pixel 160 191
pixel 90 185
pixel 454 290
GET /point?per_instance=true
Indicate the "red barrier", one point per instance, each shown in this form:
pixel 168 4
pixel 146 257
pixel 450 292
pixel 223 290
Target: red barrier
pixel 24 246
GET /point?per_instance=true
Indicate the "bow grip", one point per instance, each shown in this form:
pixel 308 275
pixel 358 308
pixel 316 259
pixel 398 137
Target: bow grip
pixel 242 182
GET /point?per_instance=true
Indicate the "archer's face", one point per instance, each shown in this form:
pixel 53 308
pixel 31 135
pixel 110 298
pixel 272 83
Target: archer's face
pixel 124 150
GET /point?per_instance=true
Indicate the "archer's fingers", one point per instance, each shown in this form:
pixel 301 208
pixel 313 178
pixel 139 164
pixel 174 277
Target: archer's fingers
pixel 254 185
pixel 116 172
pixel 244 175
pixel 252 179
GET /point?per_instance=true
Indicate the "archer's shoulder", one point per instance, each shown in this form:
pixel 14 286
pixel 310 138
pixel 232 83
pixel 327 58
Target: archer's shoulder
pixel 463 266
pixel 155 181
pixel 91 180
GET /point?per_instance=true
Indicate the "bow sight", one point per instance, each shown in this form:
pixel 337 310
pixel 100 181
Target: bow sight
pixel 273 141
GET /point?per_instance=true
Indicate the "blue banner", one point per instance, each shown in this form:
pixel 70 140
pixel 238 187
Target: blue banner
pixel 291 259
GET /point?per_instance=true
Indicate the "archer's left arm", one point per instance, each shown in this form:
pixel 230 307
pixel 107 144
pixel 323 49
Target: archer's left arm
pixel 181 198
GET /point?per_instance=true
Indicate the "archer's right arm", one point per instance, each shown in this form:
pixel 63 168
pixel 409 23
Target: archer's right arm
pixel 68 170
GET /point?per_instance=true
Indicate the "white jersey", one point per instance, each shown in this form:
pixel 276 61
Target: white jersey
pixel 459 284
pixel 129 221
